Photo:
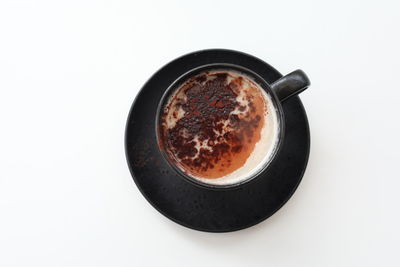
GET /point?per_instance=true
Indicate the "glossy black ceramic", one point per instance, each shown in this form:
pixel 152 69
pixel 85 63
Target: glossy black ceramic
pixel 201 207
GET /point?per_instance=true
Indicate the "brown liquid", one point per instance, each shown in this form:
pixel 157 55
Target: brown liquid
pixel 217 121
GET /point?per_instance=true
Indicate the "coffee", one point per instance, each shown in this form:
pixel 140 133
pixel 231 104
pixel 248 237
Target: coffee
pixel 219 127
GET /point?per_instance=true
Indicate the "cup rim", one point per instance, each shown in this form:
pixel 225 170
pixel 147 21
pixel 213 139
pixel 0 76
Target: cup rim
pixel 256 78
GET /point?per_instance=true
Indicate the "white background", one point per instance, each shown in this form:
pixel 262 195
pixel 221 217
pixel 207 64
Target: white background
pixel 69 71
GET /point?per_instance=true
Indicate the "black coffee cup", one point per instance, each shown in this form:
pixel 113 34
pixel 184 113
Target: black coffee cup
pixel 279 91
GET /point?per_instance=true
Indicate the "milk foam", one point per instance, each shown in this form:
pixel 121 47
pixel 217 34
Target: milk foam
pixel 263 149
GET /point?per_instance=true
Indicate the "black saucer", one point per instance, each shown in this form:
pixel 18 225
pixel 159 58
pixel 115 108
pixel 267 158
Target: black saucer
pixel 198 207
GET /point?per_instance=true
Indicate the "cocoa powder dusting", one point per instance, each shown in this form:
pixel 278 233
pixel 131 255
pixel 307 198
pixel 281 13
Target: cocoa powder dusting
pixel 216 133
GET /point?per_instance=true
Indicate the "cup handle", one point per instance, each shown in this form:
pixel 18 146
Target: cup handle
pixel 290 85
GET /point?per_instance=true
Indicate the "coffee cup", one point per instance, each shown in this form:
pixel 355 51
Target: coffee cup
pixel 221 125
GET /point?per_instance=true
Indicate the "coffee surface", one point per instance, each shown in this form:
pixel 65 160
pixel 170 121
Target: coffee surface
pixel 212 123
